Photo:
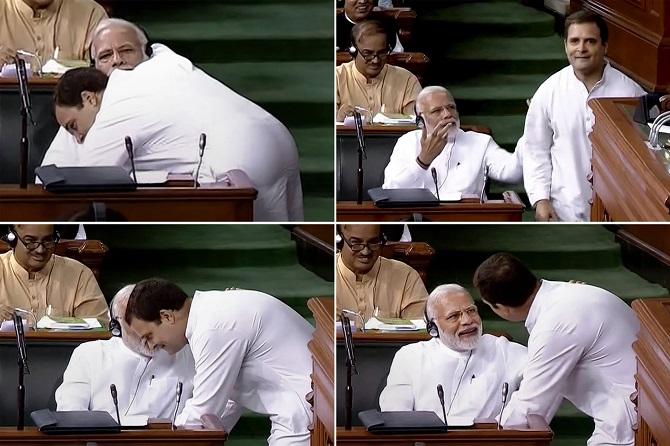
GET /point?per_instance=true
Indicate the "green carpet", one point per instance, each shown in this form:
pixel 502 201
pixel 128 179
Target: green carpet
pixel 278 53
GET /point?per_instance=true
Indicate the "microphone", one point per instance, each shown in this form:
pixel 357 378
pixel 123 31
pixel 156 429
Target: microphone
pixel 201 152
pixel 440 395
pixel 131 155
pixel 486 176
pixel 359 132
pixel 112 388
pixel 21 341
pixel 356 315
pixel 505 389
pixel 23 87
pixel 433 172
pixel 180 387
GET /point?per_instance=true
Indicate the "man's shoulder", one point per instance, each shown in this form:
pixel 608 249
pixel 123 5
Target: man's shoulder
pixel 415 348
pixel 344 69
pixel 622 82
pixel 474 138
pixel 396 266
pixel 70 264
pixel 85 6
pixel 400 73
pixel 411 138
pixel 501 343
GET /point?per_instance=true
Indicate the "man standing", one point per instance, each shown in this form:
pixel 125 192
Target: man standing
pixel 368 81
pixel 557 159
pixel 460 158
pixel 247 346
pixel 33 278
pixel 580 347
pixel 372 285
pixel 470 367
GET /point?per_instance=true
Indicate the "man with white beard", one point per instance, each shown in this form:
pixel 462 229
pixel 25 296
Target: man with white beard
pixel 470 367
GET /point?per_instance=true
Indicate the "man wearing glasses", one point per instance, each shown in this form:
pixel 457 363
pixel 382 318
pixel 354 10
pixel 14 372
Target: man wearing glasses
pixel 372 285
pixel 368 81
pixel 471 368
pixel 33 278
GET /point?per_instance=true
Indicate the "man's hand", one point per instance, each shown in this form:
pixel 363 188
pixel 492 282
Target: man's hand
pixel 6 55
pixel 6 313
pixel 544 211
pixel 344 111
pixel 432 143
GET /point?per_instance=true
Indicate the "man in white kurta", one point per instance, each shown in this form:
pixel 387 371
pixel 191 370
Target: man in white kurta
pixel 557 157
pixel 460 158
pixel 471 372
pixel 580 348
pixel 247 345
pixel 164 104
pixel 146 382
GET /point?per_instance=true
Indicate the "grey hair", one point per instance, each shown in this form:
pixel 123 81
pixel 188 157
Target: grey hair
pixel 430 90
pixel 121 297
pixel 109 23
pixel 442 291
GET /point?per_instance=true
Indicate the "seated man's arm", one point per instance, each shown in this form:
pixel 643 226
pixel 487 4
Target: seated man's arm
pixel 218 360
pixel 537 139
pixel 414 298
pixel 89 300
pixel 398 394
pixel 552 357
pixel 75 391
pixel 502 165
pixel 403 171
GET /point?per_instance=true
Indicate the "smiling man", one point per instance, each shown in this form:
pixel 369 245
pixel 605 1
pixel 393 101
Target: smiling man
pixel 368 81
pixel 557 154
pixel 370 284
pixel 33 278
pixel 470 367
pixel 248 347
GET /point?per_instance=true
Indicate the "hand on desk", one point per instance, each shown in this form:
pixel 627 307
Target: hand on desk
pixel 544 211
pixel 6 312
pixel 7 55
pixel 344 111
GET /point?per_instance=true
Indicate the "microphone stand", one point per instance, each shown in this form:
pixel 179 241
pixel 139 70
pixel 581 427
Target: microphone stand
pixel 23 369
pixel 26 112
pixel 351 367
pixel 361 155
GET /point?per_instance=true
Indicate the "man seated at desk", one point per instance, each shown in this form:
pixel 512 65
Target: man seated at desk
pixel 145 380
pixel 356 11
pixel 461 159
pixel 372 285
pixel 41 26
pixel 368 81
pixel 471 367
pixel 33 278
pixel 164 103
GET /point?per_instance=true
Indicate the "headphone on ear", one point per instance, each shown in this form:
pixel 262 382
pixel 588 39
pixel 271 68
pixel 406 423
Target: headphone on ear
pixel 431 326
pixel 10 237
pixel 419 119
pixel 114 324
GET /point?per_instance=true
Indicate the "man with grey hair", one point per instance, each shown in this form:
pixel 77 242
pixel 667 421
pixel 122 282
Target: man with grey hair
pixel 470 367
pixel 461 159
pixel 117 43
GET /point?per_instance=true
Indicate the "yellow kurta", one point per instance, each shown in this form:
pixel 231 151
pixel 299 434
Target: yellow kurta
pixel 66 24
pixel 395 88
pixel 65 284
pixel 392 286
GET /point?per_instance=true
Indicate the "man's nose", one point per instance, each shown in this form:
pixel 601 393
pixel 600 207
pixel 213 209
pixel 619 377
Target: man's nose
pixel 582 47
pixel 116 60
pixel 40 249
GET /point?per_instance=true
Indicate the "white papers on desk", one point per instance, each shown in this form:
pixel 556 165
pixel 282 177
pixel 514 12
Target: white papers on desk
pixel 393 118
pixel 460 421
pixel 9 70
pixel 375 324
pixel 151 176
pixel 89 323
pixel 451 196
pixel 9 325
pixel 134 420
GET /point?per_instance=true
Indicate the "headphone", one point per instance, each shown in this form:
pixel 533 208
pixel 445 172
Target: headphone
pixel 12 239
pixel 114 324
pixel 419 119
pixel 431 326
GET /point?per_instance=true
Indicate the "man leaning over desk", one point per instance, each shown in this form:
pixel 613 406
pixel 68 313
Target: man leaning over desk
pixel 33 278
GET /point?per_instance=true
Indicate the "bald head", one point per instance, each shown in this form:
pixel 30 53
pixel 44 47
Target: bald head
pixel 117 43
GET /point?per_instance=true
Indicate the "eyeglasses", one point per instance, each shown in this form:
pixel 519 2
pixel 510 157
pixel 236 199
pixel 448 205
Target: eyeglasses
pixel 358 247
pixel 369 56
pixel 456 316
pixel 33 245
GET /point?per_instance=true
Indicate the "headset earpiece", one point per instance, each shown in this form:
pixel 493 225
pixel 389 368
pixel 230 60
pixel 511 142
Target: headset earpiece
pixel 10 238
pixel 114 324
pixel 431 326
pixel 419 121
pixel 148 50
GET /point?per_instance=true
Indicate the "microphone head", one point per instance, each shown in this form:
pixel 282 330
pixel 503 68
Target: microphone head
pixel 203 141
pixel 129 145
pixel 505 389
pixel 180 387
pixel 440 393
pixel 112 389
pixel 433 172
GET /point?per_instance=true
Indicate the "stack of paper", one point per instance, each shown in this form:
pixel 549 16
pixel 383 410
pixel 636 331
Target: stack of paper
pixel 389 324
pixel 393 118
pixel 68 323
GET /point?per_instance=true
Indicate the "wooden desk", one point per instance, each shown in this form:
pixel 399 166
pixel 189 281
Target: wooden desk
pixel 140 437
pixel 481 434
pixel 416 63
pixel 652 349
pixel 468 209
pixel 222 202
pixel 323 371
pixel 630 181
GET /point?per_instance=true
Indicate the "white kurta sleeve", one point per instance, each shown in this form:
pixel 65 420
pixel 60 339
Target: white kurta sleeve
pixel 402 170
pixel 502 165
pixel 551 358
pixel 538 139
pixel 62 151
pixel 398 394
pixel 231 414
pixel 75 391
pixel 218 358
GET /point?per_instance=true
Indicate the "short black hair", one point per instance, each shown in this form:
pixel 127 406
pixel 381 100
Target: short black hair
pixel 150 296
pixel 503 279
pixel 584 16
pixel 74 82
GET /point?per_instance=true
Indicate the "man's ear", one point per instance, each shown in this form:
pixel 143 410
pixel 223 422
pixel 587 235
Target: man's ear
pixel 167 316
pixel 90 98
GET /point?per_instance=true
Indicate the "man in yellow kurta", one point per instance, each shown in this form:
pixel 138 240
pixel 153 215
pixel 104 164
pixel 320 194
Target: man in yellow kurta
pixel 33 278
pixel 367 282
pixel 368 81
pixel 39 26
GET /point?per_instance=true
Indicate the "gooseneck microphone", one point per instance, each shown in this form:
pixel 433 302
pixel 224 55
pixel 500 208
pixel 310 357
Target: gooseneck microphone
pixel 112 389
pixel 433 172
pixel 361 156
pixel 505 389
pixel 23 369
pixel 131 155
pixel 486 177
pixel 440 395
pixel 201 153
pixel 23 87
pixel 180 387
